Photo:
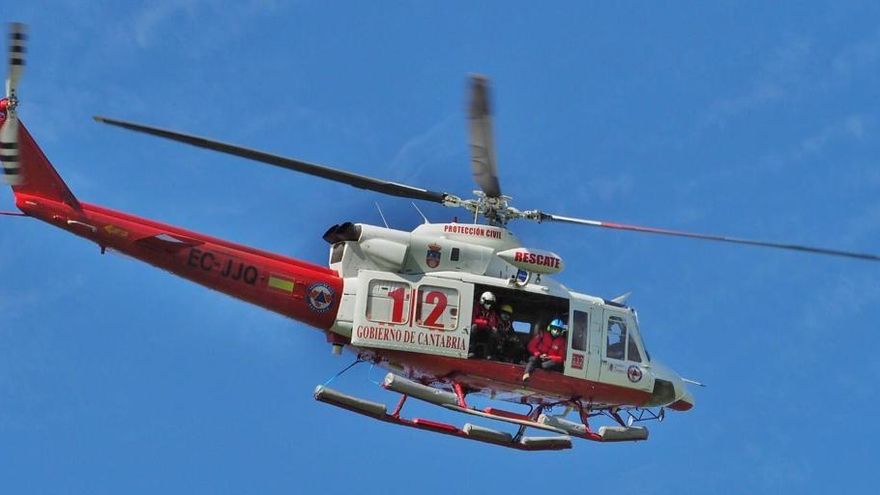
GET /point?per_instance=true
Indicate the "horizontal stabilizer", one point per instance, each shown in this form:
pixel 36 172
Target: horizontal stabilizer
pixel 167 243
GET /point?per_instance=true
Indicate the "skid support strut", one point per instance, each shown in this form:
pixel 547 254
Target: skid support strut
pixel 399 406
pixel 459 394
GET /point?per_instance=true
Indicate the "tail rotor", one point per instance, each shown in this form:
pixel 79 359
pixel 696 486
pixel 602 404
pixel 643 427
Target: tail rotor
pixel 9 131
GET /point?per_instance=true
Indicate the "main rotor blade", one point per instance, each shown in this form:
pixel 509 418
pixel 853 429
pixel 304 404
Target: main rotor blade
pixel 708 237
pixel 359 181
pixel 482 147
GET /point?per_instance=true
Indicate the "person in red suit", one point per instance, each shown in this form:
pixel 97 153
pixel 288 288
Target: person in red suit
pixel 485 325
pixel 547 349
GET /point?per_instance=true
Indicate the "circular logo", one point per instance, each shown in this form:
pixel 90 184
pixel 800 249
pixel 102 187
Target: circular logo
pixel 320 297
pixel 634 373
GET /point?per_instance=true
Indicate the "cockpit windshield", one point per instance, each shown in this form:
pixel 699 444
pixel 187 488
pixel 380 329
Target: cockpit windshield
pixel 635 336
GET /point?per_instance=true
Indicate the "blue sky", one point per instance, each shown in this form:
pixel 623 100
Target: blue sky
pixel 753 119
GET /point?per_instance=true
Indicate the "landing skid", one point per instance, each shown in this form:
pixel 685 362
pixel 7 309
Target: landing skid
pixel 378 411
pixel 564 429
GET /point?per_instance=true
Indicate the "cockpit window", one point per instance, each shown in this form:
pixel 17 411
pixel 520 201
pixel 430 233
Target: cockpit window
pixel 635 334
pixel 616 338
pixel 633 350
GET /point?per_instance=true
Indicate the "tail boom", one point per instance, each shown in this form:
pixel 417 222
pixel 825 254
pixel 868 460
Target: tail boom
pixel 300 290
pixel 304 291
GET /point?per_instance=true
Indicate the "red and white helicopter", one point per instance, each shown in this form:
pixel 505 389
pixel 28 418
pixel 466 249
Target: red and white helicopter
pixel 405 300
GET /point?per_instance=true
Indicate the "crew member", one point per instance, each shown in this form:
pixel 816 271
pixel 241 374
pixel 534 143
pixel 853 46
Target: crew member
pixel 485 324
pixel 547 349
pixel 509 347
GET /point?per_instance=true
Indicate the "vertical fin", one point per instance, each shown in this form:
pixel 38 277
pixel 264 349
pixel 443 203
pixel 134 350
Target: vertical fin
pixel 39 177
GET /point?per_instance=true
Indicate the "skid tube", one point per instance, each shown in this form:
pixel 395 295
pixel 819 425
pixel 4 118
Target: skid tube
pixel 378 411
pixel 622 433
pixel 537 420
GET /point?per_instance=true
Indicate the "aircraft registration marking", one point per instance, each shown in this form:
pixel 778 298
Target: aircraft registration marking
pixel 226 266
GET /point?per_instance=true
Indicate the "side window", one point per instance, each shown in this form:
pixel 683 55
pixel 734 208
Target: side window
pixel 388 302
pixel 616 338
pixel 455 254
pixel 522 327
pixel 437 307
pixel 580 323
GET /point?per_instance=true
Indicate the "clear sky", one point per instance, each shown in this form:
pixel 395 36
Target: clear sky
pixel 757 119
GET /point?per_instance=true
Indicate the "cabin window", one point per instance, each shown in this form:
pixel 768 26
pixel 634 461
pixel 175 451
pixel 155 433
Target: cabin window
pixel 437 307
pixel 580 323
pixel 522 327
pixel 388 302
pixel 616 338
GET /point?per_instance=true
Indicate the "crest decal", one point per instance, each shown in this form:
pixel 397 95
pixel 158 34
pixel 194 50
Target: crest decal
pixel 522 278
pixel 320 297
pixel 432 259
pixel 634 373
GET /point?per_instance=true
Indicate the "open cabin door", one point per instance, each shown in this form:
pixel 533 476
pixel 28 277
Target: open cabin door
pixel 421 314
pixel 584 340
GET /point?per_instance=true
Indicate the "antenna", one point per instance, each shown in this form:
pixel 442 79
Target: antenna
pixel 420 212
pixel 693 382
pixel 381 215
pixel 621 299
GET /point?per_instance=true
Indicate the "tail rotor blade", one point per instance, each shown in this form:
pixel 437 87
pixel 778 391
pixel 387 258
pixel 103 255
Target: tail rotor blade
pixel 9 131
pixel 9 151
pixel 482 146
pixel 17 38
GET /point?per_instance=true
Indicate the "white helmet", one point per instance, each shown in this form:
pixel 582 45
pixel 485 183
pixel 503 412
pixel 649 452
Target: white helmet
pixel 487 299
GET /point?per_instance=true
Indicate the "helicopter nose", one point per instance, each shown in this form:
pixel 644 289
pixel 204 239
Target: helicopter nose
pixel 684 403
pixel 670 390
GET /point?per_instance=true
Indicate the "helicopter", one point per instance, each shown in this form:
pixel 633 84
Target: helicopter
pixel 407 300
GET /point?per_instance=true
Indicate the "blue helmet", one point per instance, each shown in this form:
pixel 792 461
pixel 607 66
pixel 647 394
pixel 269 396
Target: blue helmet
pixel 556 327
